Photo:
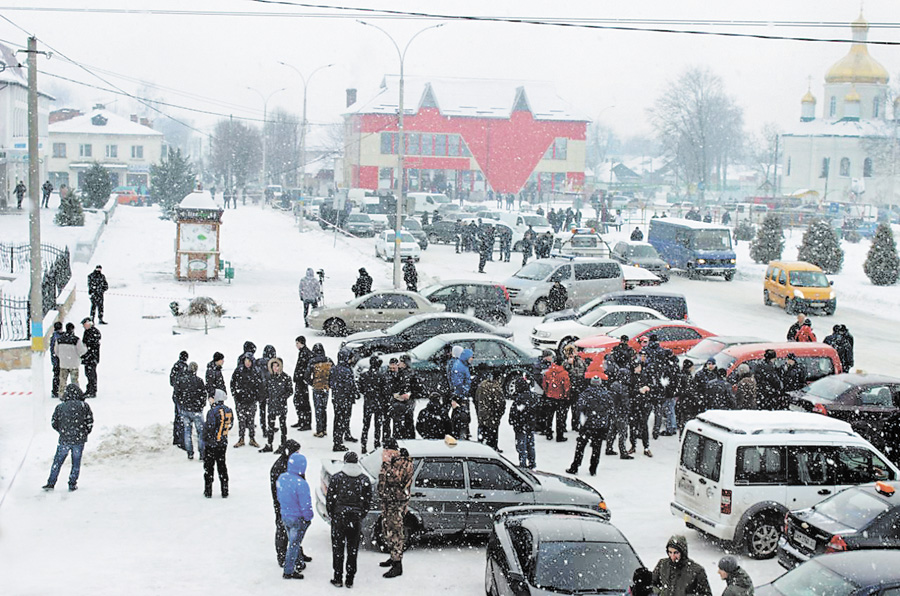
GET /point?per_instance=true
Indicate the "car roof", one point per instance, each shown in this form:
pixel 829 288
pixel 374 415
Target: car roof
pixel 858 379
pixel 451 337
pixel 443 315
pixel 754 422
pixel 453 282
pixel 686 223
pixel 628 308
pixel 619 293
pixel 633 243
pixel 431 448
pixel 795 265
pixel 572 528
pixel 864 567
pixel 745 350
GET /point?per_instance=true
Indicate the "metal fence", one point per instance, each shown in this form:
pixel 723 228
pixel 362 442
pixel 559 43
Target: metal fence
pixel 15 312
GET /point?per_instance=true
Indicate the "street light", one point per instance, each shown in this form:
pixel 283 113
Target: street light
pixel 402 148
pixel 265 176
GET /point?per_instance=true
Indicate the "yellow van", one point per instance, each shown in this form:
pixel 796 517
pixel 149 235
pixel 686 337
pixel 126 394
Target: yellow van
pixel 798 287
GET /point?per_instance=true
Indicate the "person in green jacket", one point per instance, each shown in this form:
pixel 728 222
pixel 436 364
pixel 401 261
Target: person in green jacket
pixel 677 575
pixel 737 581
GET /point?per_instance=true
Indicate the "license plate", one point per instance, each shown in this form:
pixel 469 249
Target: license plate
pixel 817 304
pixel 686 485
pixel 804 541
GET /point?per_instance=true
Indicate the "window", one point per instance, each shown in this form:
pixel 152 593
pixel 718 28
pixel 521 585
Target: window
pixel 760 465
pixel 488 475
pixel 858 465
pixel 558 149
pixel 441 474
pixel 867 167
pixel 399 301
pixel 112 151
pixel 816 366
pixel 137 152
pixel 59 149
pixel 782 278
pixel 678 334
pixel 85 150
pixel 787 169
pixel 826 162
pixel 387 143
pixel 702 455
pixel 876 395
pixel 412 143
pixel 613 319
pixel 440 144
pixel 810 466
pixel 427 144
pixel 584 271
pixel 453 143
pixel 876 108
pixel 374 302
pixel 845 166
pixel 832 106
pixel 561 274
pixel 486 350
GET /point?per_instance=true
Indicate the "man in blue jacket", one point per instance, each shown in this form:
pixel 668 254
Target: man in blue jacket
pixel 460 385
pixel 73 420
pixel 296 511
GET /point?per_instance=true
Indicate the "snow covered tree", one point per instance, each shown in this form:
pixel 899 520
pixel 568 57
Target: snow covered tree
pixel 70 212
pixel 96 187
pixel 882 265
pixel 172 179
pixel 769 242
pixel 821 247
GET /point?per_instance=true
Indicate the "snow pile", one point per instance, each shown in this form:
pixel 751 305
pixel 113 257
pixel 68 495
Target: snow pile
pixel 125 441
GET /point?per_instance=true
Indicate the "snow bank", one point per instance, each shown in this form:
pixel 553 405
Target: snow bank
pixel 123 441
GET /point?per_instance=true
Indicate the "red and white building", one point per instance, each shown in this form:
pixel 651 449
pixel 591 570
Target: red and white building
pixel 472 134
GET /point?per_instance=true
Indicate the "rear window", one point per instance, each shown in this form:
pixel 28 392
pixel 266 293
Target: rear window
pixel 853 508
pixel 702 455
pixel 585 271
pixel 760 465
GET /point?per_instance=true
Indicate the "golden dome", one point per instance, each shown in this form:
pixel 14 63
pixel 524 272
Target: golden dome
pixel 810 98
pixel 857 66
pixel 852 96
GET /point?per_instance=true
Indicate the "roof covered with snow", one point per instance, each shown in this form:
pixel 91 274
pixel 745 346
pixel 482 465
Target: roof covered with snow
pixel 13 74
pixel 752 421
pixel 199 199
pixel 473 98
pixel 102 122
pixel 839 128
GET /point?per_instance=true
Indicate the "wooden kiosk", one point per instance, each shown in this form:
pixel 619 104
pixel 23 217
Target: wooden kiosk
pixel 198 221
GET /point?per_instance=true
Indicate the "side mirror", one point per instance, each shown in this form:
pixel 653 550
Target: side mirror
pixel 831 283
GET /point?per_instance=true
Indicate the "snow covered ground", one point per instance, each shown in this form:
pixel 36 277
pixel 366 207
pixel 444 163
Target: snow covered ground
pixel 139 522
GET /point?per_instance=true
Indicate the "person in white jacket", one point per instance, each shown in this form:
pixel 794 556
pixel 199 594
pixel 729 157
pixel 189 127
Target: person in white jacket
pixel 69 350
pixel 310 293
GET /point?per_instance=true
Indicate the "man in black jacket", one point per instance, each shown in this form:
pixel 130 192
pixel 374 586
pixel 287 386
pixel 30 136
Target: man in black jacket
pixel 363 283
pixel 91 357
pixel 348 501
pixel 372 386
pixel 180 369
pixel 769 386
pixel 278 468
pixel 73 420
pixel 301 387
pixel 97 287
pixel 190 396
pixel 214 378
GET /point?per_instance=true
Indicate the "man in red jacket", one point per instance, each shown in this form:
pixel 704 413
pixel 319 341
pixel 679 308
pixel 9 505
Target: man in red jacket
pixel 556 385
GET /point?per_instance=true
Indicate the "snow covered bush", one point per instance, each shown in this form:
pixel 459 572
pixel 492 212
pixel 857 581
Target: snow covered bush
pixel 821 247
pixel 882 265
pixel 743 231
pixel 96 187
pixel 70 212
pixel 769 242
pixel 172 179
pixel 197 306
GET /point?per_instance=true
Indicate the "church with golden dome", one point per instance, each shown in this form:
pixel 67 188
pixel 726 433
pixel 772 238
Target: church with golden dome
pixel 846 150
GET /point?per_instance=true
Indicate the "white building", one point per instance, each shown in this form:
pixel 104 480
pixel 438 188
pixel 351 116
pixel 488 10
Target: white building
pixel 125 147
pixel 14 125
pixel 848 153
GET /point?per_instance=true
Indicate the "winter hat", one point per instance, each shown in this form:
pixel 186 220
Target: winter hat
pixel 791 356
pixel 351 458
pixel 770 354
pixel 654 337
pixel 728 564
pixel 183 356
pixel 220 396
pixel 393 361
pixel 624 338
pixel 375 362
pixel 85 320
pixel 687 365
pixel 290 446
pixel 405 359
pixel 710 360
pixel 390 443
pixel 456 351
pixel 466 354
pixel 70 327
pixel 362 269
pixel 808 322
pixel 218 356
pixel 743 370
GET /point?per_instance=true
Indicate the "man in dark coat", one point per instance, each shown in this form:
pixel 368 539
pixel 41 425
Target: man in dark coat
pixel 719 393
pixel 528 239
pixel 795 328
pixel 505 243
pixel 91 357
pixel 20 191
pixel 595 405
pixel 317 374
pixel 557 297
pixel 363 283
pixel 347 503
pixel 245 384
pixel 636 234
pixel 73 420
pixel 343 394
pixel 288 448
pixel 410 276
pixel 301 387
pixel 47 189
pixel 769 387
pixel 523 416
pixel 262 369
pixel 190 397
pixel 490 406
pixel 485 246
pixel 54 359
pixel 677 575
pixel 97 287
pixel 842 342
pixel 793 374
pixel 278 390
pixel 179 369
pixel 372 385
pixel 214 378
pixel 432 421
pixel 219 420
pixel 401 405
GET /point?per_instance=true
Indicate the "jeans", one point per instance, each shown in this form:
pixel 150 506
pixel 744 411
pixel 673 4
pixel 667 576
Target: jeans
pixel 62 450
pixel 320 403
pixel 525 448
pixel 668 411
pixel 55 362
pixel 187 419
pixel 296 530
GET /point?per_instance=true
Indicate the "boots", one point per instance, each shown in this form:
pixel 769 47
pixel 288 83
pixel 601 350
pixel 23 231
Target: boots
pixel 253 443
pixel 337 582
pixel 266 449
pixel 304 557
pixel 349 581
pixel 387 563
pixel 240 443
pixel 395 570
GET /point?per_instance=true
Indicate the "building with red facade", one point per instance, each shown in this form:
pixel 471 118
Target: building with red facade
pixel 471 135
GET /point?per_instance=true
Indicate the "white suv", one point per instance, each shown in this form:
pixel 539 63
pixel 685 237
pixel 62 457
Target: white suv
pixel 741 471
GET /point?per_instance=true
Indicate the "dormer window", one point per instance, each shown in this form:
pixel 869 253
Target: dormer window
pixel 99 120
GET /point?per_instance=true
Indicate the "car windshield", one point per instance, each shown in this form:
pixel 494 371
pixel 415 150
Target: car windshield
pixel 809 279
pixel 592 317
pixel 711 240
pixel 589 306
pixel 630 329
pixel 440 199
pixel 412 224
pixel 707 348
pixel 401 325
pixel 644 252
pixel 358 217
pixel 827 388
pixel 429 290
pixel 584 567
pixel 853 508
pixel 814 579
pixel 584 241
pixel 425 349
pixel 389 237
pixel 536 221
pixel 535 271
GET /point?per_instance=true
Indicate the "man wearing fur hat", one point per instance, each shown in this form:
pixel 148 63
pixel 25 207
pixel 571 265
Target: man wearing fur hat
pixel 348 500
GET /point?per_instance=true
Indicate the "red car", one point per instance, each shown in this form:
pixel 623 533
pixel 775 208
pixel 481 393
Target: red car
pixel 674 335
pixel 128 197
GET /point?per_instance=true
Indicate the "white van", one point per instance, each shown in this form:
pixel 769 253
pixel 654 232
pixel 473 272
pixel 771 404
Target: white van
pixel 584 279
pixel 741 471
pixel 425 202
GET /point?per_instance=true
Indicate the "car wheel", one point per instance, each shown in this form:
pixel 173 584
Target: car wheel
pixel 409 534
pixel 789 306
pixel 762 536
pixel 692 272
pixel 541 307
pixel 830 311
pixel 729 275
pixel 334 327
pixel 766 300
pixel 517 247
pixel 565 342
pixel 509 384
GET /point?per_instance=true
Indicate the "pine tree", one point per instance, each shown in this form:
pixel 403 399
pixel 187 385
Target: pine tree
pixel 172 179
pixel 882 265
pixel 821 247
pixel 96 187
pixel 70 212
pixel 769 242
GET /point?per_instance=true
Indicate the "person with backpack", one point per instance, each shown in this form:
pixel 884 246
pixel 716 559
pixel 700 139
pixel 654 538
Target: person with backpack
pixel 219 420
pixel 318 372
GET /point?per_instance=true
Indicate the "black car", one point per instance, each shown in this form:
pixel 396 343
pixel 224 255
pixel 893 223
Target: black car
pixel 487 301
pixel 414 227
pixel 672 305
pixel 410 332
pixel 855 573
pixel 441 232
pixel 870 403
pixel 640 254
pixel 857 518
pixel 535 550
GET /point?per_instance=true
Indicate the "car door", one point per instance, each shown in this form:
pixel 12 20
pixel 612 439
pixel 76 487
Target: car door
pixel 439 494
pixel 396 308
pixel 677 339
pixel 493 485
pixel 811 474
pixel 368 315
pixel 490 353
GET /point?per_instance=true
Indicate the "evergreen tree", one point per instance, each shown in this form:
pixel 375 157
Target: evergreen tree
pixel 769 242
pixel 172 179
pixel 96 187
pixel 70 212
pixel 882 265
pixel 821 247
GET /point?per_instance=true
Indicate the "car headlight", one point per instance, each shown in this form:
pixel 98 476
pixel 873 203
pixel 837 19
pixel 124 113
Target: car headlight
pixel 638 265
pixel 541 333
pixel 701 261
pixel 831 295
pixel 733 261
pixel 798 294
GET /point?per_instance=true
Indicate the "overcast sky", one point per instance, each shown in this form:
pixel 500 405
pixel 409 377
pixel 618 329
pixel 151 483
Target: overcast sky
pixel 206 61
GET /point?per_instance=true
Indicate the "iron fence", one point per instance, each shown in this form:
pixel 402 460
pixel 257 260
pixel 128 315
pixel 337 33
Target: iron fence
pixel 14 317
pixel 15 312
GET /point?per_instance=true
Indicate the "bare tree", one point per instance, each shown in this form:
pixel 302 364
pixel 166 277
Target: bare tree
pixel 283 147
pixel 881 168
pixel 236 150
pixel 601 141
pixel 760 152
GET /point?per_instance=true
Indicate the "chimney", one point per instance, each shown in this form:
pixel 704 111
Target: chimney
pixel 351 97
pixel 145 122
pixel 134 118
pixel 99 106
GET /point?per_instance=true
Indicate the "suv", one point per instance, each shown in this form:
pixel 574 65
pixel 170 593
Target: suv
pixel 643 255
pixel 583 279
pixel 484 300
pixel 740 472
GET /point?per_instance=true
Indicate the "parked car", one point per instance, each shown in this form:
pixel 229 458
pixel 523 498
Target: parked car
pixel 857 518
pixel 798 286
pixel 414 227
pixel 740 472
pixel 582 277
pixel 857 573
pixel 441 232
pixel 359 224
pixel 128 197
pixel 870 403
pixel 819 360
pixel 372 311
pixel 487 301
pixel 412 331
pixel 643 255
pixel 384 246
pixel 537 550
pixel 710 346
pixel 557 335
pixel 580 242
pixel 677 336
pixel 673 306
pixel 459 488
pixel 635 277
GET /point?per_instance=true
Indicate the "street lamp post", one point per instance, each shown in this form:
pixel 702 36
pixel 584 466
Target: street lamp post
pixel 401 150
pixel 265 174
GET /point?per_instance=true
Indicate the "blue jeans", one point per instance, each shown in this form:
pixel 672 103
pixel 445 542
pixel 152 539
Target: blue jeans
pixel 296 530
pixel 525 449
pixel 195 418
pixel 320 403
pixel 62 451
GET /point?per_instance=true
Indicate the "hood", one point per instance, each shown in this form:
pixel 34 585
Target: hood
pixel 344 357
pixel 249 346
pixel 72 393
pixel 455 351
pixel 352 469
pixel 290 446
pixel 679 542
pixel 273 361
pixel 318 350
pixel 310 272
pixel 246 356
pixel 557 489
pixel 297 464
pixel 466 354
pixel 740 579
pixel 269 352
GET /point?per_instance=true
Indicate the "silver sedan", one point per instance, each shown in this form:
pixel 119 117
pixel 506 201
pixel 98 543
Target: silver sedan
pixel 373 311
